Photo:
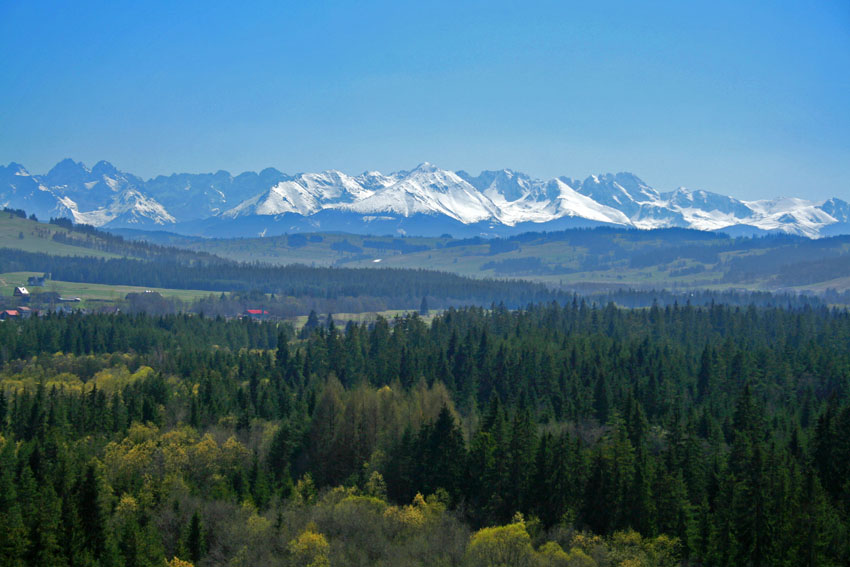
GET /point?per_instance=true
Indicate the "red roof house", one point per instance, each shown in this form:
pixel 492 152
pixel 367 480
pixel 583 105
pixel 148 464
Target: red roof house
pixel 256 313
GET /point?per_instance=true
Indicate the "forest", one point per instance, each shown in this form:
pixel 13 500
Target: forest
pixel 560 433
pixel 393 288
pixel 454 272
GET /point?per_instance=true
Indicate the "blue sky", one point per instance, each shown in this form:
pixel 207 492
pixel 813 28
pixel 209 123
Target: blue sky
pixel 750 99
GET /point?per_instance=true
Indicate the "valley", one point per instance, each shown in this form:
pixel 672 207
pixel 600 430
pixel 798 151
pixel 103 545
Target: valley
pixel 581 259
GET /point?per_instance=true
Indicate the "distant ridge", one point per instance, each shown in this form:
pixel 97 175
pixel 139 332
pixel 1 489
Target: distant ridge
pixel 424 201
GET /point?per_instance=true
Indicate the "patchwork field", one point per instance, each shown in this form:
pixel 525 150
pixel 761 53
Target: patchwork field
pixel 89 292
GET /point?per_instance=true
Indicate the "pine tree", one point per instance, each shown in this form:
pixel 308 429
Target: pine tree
pixel 817 530
pixel 282 446
pixel 45 534
pixel 282 352
pixel 93 514
pixel 195 539
pixel 544 499
pixel 261 491
pixel 3 409
pixel 311 324
pixel 521 452
pixel 13 532
pixel 705 376
pixel 443 455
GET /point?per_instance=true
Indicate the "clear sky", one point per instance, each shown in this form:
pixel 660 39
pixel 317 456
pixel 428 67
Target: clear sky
pixel 750 99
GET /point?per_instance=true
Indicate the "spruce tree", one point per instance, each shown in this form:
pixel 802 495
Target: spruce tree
pixel 195 540
pixel 13 532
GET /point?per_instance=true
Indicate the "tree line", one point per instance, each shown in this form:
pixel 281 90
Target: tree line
pixel 558 434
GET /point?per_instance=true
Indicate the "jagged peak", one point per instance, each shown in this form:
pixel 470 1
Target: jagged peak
pixel 269 171
pixel 426 167
pixel 506 174
pixel 628 176
pixel 17 168
pixel 503 196
pixel 619 177
pixel 837 202
pixel 103 167
pixel 68 166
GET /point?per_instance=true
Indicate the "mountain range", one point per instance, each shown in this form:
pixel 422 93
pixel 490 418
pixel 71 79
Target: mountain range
pixel 425 201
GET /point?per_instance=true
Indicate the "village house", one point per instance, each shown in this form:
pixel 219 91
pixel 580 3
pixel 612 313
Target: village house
pixel 256 314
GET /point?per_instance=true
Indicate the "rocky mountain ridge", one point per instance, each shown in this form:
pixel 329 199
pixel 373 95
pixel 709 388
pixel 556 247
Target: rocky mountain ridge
pixel 426 200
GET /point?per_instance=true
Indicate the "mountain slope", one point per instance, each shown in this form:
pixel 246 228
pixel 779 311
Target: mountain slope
pixel 426 200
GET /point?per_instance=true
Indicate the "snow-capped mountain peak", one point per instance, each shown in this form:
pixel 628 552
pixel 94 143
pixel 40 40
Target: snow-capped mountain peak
pixel 67 172
pixel 496 202
pixel 837 209
pixel 428 190
pixel 18 169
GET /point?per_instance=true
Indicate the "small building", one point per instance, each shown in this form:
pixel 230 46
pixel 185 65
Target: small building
pixel 21 291
pixel 26 312
pixel 257 314
pixel 9 314
pixel 36 281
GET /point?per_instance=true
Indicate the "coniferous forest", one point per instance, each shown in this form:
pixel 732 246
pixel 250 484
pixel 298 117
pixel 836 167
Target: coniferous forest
pixel 605 324
pixel 557 434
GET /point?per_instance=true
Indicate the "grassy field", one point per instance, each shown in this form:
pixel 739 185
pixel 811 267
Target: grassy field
pixel 92 295
pixel 90 292
pixel 368 317
pixel 31 236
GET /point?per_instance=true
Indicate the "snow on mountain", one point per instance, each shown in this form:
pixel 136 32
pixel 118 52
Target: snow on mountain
pixel 90 189
pixel 837 209
pixel 375 180
pixel 130 208
pixel 573 204
pixel 709 202
pixel 98 196
pixel 20 190
pixel 285 197
pixel 505 184
pixel 491 202
pixel 428 190
pixel 305 194
pixel 622 191
pixel 791 214
pixel 519 199
pixel 509 198
pixel 658 215
pixel 702 210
